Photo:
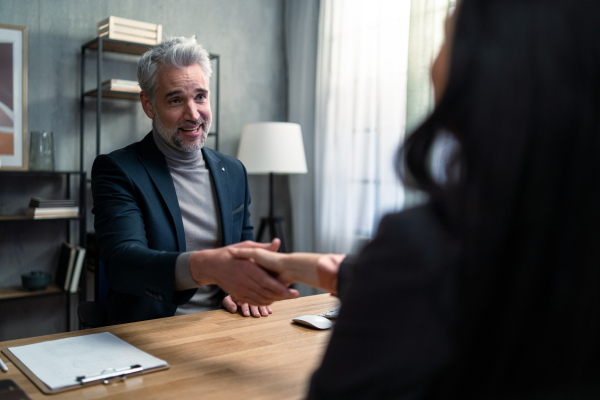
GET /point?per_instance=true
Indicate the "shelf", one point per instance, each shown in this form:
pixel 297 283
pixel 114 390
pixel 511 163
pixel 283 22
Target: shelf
pixel 119 46
pixel 31 172
pixel 16 230
pixel 18 292
pixel 114 94
pixel 30 218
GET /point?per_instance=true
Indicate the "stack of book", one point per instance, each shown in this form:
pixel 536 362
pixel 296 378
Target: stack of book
pixel 70 264
pixel 40 207
pixel 121 85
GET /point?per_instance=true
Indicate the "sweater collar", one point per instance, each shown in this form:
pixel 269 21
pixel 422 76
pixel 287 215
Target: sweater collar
pixel 176 157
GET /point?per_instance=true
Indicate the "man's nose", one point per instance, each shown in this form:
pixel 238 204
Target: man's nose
pixel 191 112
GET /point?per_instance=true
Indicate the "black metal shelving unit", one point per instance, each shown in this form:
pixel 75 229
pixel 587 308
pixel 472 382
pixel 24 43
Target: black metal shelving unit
pixel 74 184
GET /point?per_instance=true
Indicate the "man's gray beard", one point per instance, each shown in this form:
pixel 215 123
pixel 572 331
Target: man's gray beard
pixel 172 138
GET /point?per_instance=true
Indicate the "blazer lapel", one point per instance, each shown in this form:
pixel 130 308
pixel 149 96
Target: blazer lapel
pixel 156 166
pixel 220 176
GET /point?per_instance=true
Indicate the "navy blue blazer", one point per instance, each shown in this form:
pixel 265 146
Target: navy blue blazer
pixel 139 229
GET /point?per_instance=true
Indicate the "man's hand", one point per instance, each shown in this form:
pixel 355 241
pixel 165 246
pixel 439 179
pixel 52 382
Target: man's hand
pixel 242 278
pixel 317 270
pixel 233 305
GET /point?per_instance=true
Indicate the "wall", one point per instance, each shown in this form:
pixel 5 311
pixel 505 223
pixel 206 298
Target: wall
pixel 247 35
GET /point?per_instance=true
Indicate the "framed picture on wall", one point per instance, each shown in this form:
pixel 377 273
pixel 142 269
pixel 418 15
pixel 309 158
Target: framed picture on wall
pixel 13 97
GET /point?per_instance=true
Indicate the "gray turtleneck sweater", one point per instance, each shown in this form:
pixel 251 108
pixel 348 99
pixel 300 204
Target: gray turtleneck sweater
pixel 201 223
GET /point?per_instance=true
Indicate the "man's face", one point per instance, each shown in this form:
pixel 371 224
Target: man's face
pixel 181 111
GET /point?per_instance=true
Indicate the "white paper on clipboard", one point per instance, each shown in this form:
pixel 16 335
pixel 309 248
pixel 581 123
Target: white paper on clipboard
pixel 62 363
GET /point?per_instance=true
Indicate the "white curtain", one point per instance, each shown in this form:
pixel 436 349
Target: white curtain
pixel 361 109
pixel 360 117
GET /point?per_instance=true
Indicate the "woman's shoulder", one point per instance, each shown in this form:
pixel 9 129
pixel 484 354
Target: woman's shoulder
pixel 411 243
pixel 420 225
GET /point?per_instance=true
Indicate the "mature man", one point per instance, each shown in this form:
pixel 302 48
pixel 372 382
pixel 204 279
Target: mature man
pixel 166 205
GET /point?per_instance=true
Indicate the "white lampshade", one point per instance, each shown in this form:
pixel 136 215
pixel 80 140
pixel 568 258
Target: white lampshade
pixel 272 147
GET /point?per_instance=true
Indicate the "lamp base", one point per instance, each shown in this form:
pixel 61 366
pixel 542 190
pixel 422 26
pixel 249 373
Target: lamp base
pixel 275 229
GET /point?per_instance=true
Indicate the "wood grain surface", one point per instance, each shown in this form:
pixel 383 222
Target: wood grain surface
pixel 212 355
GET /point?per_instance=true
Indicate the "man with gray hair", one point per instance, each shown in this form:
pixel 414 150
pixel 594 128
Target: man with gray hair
pixel 167 208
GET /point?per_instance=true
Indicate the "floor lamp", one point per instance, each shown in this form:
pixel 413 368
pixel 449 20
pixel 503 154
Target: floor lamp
pixel 272 148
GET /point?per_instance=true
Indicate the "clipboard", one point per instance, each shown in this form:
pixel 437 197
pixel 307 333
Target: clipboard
pixel 71 363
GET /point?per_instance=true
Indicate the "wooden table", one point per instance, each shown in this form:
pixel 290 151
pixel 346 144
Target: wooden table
pixel 213 355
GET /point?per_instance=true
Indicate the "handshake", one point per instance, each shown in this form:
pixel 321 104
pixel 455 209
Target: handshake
pixel 255 273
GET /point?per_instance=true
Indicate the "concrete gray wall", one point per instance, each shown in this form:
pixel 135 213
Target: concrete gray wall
pixel 248 35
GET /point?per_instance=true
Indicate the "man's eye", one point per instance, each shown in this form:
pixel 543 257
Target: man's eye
pixel 201 97
pixel 174 101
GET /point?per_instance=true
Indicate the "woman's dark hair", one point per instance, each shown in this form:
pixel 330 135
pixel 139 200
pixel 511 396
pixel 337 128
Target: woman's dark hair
pixel 523 103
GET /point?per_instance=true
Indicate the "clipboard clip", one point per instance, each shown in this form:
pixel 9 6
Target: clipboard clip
pixel 108 374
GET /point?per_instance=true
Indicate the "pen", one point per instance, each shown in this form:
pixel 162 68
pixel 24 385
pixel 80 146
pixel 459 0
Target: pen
pixel 3 366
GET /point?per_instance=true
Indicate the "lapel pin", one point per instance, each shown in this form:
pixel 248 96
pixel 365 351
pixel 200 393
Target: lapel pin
pixel 223 169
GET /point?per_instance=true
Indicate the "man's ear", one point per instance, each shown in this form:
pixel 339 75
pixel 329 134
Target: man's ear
pixel 147 105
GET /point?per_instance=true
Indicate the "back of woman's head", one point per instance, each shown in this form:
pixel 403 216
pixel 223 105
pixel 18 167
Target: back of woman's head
pixel 523 102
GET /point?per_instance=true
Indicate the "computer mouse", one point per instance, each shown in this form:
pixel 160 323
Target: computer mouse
pixel 313 321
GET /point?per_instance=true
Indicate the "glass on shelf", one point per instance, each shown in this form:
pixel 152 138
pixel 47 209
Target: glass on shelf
pixel 41 151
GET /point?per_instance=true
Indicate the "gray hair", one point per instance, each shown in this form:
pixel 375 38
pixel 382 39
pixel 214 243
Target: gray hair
pixel 176 52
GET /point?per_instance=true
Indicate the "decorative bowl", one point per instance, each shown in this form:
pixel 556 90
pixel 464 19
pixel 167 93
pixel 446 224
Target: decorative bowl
pixel 36 280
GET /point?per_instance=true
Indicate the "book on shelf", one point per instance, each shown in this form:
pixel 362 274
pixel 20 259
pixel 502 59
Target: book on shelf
pixel 43 202
pixel 70 264
pixel 77 267
pixel 121 85
pixel 40 207
pixel 64 269
pixel 53 212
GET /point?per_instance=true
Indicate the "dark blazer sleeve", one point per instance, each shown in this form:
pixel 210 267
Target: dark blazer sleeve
pixel 393 331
